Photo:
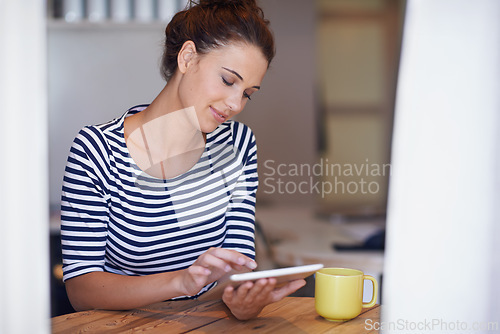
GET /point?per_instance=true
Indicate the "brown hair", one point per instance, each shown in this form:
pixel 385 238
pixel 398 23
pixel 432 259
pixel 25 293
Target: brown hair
pixel 213 23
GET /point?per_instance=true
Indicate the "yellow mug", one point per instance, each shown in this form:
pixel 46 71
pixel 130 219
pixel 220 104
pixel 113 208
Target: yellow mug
pixel 339 293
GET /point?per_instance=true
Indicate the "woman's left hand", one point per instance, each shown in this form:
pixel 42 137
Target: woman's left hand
pixel 250 298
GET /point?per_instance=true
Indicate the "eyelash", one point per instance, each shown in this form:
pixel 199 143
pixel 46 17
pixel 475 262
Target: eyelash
pixel 227 83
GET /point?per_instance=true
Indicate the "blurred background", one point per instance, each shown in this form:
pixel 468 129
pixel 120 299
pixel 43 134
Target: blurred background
pixel 323 119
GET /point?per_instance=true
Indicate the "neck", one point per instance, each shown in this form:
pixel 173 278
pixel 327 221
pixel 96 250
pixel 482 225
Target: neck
pixel 166 102
pixel 165 130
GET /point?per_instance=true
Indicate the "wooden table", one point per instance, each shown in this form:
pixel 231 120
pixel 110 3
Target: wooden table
pixel 290 315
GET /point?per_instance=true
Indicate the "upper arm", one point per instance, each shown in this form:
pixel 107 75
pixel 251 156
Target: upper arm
pixel 84 207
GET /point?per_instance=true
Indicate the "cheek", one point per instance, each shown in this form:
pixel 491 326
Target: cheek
pixel 202 92
pixel 213 91
pixel 186 92
pixel 243 104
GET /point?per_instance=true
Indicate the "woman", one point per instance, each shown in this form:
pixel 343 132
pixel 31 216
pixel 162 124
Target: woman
pixel 159 203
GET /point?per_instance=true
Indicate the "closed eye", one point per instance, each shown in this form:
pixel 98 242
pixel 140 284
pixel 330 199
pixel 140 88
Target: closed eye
pixel 227 83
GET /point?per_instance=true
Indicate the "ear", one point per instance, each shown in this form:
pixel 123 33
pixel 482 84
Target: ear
pixel 186 56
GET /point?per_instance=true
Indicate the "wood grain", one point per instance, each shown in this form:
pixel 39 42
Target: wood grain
pixel 290 315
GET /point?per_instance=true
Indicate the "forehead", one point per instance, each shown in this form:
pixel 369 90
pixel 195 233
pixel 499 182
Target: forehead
pixel 246 59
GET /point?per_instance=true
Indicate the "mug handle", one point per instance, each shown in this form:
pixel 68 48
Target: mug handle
pixel 375 291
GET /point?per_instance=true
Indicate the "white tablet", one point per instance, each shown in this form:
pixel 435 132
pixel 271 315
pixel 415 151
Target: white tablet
pixel 281 274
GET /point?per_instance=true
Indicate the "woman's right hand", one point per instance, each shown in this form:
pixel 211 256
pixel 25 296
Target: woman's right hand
pixel 211 266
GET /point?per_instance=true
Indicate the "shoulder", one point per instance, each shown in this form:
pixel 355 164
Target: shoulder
pixel 240 132
pixel 240 127
pixel 243 139
pixel 91 137
pixel 110 130
pixel 95 140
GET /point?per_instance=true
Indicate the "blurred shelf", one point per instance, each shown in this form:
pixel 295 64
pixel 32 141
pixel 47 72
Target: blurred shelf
pixel 59 24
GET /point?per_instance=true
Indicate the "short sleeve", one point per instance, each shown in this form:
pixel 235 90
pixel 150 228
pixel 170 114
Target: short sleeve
pixel 84 205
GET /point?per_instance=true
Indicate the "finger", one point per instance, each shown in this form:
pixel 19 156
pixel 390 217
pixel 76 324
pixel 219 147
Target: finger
pixel 233 257
pixel 243 289
pixel 260 290
pixel 273 281
pixel 209 260
pixel 266 293
pixel 287 289
pixel 228 294
pixel 199 274
pixel 196 270
pixel 271 285
pixel 237 267
pixel 195 277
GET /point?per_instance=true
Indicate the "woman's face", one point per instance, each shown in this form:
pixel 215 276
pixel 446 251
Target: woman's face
pixel 218 84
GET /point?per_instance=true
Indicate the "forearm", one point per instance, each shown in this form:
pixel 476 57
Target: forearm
pixel 101 290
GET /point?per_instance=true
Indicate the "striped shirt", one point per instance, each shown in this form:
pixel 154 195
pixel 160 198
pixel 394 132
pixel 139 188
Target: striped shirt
pixel 118 219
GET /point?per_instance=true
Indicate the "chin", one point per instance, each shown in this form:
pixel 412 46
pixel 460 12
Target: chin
pixel 207 128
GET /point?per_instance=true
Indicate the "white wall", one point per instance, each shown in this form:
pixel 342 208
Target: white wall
pixel 442 247
pixel 97 72
pixel 24 252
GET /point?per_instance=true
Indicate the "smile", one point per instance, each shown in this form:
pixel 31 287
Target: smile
pixel 219 117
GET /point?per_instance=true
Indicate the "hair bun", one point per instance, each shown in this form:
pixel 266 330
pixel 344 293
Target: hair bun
pixel 223 3
pixel 213 23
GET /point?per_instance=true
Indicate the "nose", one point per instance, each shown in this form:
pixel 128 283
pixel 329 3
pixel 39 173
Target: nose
pixel 234 103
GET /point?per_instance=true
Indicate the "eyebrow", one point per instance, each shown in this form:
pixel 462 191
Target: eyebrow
pixel 239 76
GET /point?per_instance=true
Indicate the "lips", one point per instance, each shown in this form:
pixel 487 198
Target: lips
pixel 219 117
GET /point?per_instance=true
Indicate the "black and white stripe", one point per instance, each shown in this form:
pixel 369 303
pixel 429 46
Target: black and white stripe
pixel 118 219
